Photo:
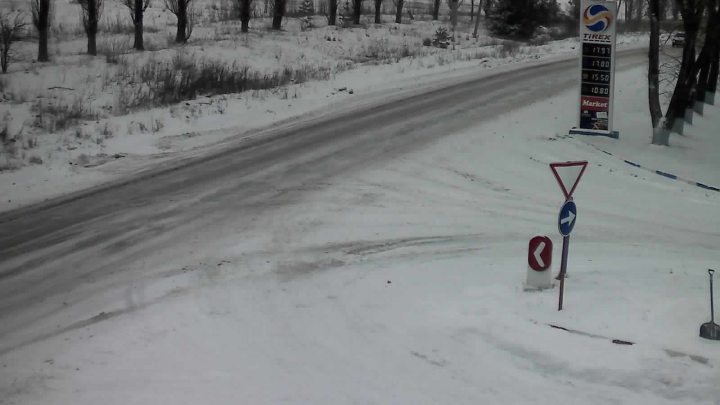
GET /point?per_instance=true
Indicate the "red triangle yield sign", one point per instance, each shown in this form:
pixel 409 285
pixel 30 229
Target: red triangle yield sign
pixel 568 175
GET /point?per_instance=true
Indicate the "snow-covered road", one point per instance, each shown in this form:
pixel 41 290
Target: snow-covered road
pixel 370 258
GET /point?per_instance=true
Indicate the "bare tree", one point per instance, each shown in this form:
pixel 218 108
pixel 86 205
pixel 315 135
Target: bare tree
pixel 691 11
pixel 709 53
pixel 331 14
pixel 91 11
pixel 487 8
pixel 12 26
pixel 453 17
pixel 185 14
pixel 42 16
pixel 572 9
pixel 399 4
pixel 639 9
pixel 436 10
pixel 245 11
pixel 472 9
pixel 357 11
pixel 137 12
pixel 477 19
pixel 654 71
pixel 378 11
pixel 694 75
pixel 278 14
pixel 629 9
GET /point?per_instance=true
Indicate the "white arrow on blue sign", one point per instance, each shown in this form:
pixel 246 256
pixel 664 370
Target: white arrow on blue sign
pixel 567 217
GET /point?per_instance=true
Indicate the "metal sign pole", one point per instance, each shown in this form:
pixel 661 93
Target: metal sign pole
pixel 563 269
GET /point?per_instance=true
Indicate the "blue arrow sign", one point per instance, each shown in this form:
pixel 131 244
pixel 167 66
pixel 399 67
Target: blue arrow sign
pixel 567 218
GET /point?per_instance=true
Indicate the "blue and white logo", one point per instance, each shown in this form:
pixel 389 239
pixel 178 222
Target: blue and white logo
pixel 597 18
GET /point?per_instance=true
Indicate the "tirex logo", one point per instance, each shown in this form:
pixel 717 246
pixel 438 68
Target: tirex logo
pixel 597 38
pixel 595 104
pixel 597 18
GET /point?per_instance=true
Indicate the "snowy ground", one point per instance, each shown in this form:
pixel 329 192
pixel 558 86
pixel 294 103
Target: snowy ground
pixel 79 121
pixel 402 284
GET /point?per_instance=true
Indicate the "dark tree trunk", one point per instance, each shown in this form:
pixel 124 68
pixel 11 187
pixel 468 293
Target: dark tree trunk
pixel 43 27
pixel 710 47
pixel 245 15
pixel 675 10
pixel 638 10
pixel 662 9
pixel 436 10
pixel 357 11
pixel 43 55
pixel 681 94
pixel 477 19
pixel 453 18
pixel 180 36
pixel 92 44
pixel 398 12
pixel 714 69
pixel 138 21
pixel 488 8
pixel 278 15
pixel 702 81
pixel 378 6
pixel 333 12
pixel 472 9
pixel 654 73
pixel 92 26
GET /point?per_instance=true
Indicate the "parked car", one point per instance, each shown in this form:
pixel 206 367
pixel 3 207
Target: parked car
pixel 678 39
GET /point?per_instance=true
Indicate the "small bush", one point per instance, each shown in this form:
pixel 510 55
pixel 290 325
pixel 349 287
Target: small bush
pixel 226 11
pixel 509 49
pixel 36 160
pixel 120 25
pixel 427 42
pixel 186 77
pixel 157 125
pixel 59 116
pixel 113 48
pixel 541 40
pixel 442 38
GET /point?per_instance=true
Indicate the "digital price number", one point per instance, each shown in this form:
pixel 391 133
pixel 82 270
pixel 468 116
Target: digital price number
pixel 596 64
pixel 591 76
pixel 597 50
pixel 597 90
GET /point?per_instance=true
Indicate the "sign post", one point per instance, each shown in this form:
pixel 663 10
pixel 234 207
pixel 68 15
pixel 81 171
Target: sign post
pixel 568 175
pixel 566 223
pixel 597 68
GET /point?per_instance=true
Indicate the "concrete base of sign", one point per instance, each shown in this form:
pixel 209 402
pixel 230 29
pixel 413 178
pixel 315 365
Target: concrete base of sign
pixel 538 280
pixel 699 107
pixel 530 288
pixel 710 98
pixel 613 134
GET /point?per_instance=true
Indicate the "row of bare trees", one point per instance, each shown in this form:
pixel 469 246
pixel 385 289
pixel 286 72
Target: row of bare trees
pixel 635 10
pixel 698 73
pixel 91 12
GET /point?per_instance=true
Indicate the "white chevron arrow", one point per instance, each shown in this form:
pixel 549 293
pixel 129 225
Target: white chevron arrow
pixel 538 252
